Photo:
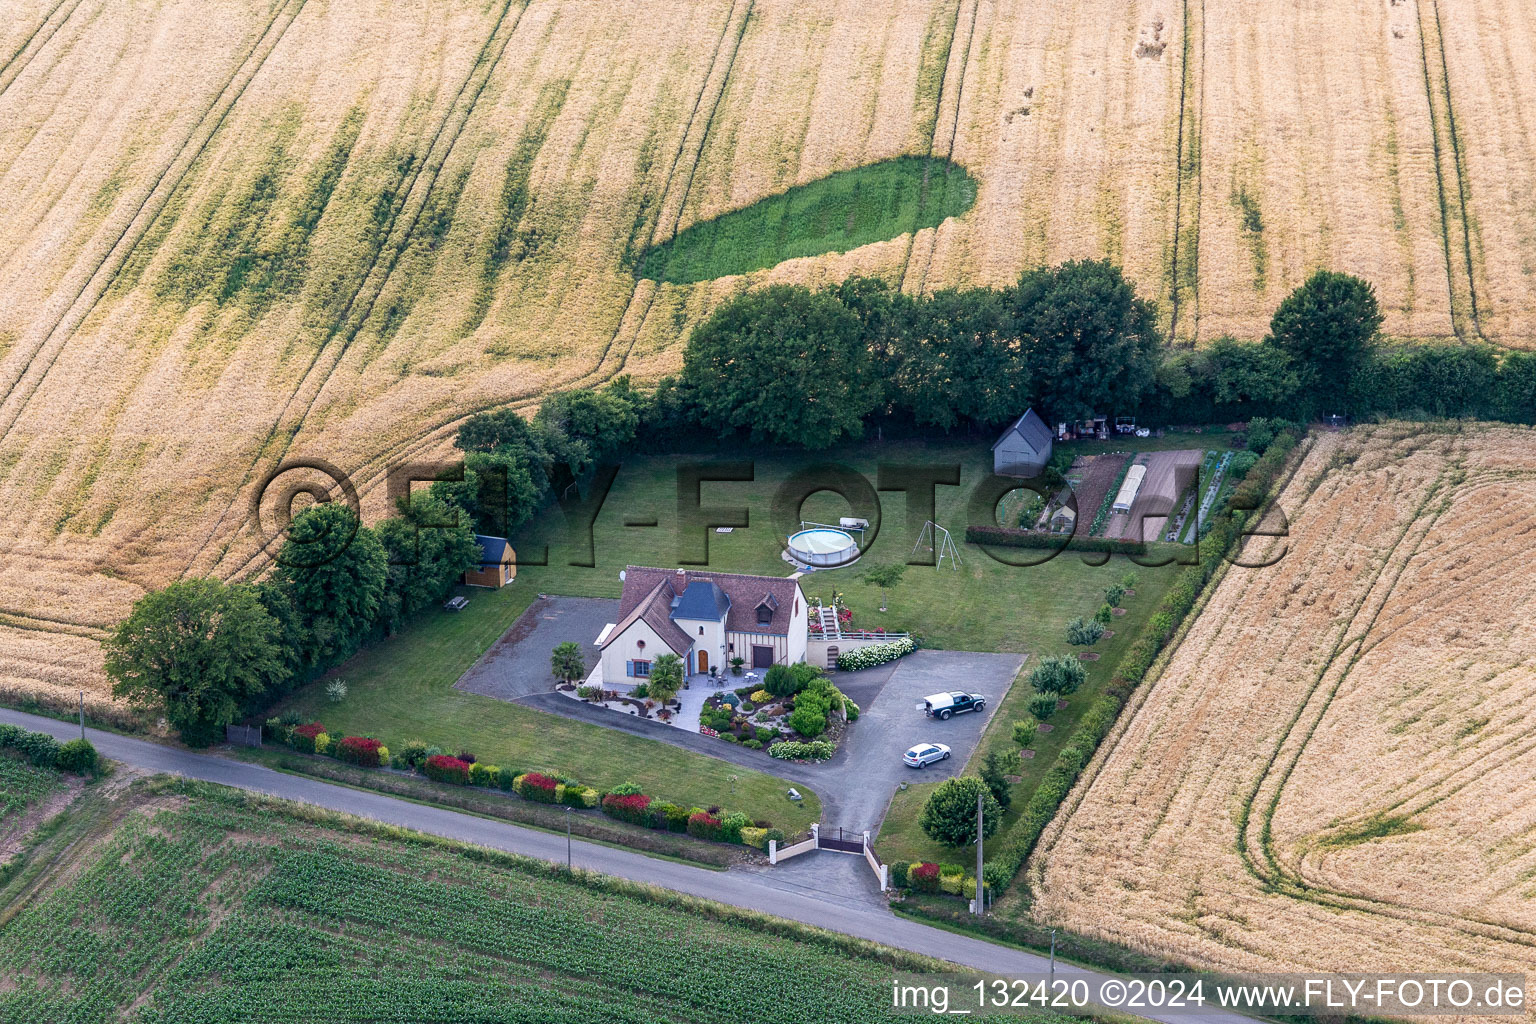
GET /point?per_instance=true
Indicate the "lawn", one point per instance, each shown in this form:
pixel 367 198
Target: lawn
pixel 837 213
pixel 402 689
pixel 191 902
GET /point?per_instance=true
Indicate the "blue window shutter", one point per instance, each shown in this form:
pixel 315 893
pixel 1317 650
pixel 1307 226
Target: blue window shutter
pixel 629 668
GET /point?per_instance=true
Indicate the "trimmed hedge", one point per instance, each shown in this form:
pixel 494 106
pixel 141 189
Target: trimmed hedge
pixel 304 737
pixel 1003 537
pixel 362 750
pixel 794 750
pixel 78 756
pixel 630 807
pixel 443 768
pixel 538 787
pixel 1019 841
pixel 487 775
pixel 39 748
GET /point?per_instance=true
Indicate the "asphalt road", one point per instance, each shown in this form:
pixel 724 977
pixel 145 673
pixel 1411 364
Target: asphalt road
pixel 747 889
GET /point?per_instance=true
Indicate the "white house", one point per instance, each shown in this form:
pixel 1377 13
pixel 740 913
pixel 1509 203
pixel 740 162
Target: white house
pixel 706 619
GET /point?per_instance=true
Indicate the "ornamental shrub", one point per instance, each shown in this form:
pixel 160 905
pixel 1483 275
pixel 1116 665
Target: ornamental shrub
pixel 360 750
pixel 443 768
pixel 851 710
pixel 506 779
pixel 484 775
pixel 1042 706
pixel 323 744
pixel 924 877
pixel 951 884
pixel 875 654
pixel 731 826
pixel 1060 674
pixel 630 807
pixel 79 757
pixel 589 692
pixel 766 734
pixel 754 837
pixel 793 750
pixel 1114 594
pixel 1023 733
pixel 752 744
pixel 1084 633
pixel 538 787
pixel 703 825
pixel 303 737
pixel 577 795
pixel 808 720
pixel 625 789
pixel 899 871
pixel 760 697
pixel 781 681
pixel 414 752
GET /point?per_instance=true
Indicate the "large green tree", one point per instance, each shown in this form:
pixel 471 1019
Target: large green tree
pixel 960 359
pixel 1252 378
pixel 1089 344
pixel 429 546
pixel 335 569
pixel 783 364
pixel 1329 326
pixel 199 651
pixel 949 816
pixel 586 427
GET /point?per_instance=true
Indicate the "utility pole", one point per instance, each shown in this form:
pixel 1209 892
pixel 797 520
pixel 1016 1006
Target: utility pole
pixel 82 714
pixel 568 839
pixel 980 906
pixel 1053 954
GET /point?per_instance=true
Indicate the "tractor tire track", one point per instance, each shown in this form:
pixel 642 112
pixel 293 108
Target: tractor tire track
pixel 1187 161
pixel 14 65
pixel 932 241
pixel 933 136
pixel 359 308
pixel 617 349
pixel 39 363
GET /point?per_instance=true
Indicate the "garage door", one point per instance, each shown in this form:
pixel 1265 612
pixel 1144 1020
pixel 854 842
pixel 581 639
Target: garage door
pixel 762 657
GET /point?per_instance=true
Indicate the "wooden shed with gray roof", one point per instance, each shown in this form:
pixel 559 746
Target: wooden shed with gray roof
pixel 1024 448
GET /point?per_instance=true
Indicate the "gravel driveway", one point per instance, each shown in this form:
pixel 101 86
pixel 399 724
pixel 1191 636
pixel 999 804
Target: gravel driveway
pixel 517 664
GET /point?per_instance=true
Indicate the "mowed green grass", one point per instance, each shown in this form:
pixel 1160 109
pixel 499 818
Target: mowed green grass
pixel 837 213
pixel 224 907
pixel 402 689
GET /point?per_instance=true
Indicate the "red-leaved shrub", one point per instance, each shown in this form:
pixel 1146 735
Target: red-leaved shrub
pixel 924 877
pixel 703 825
pixel 537 786
pixel 359 750
pixel 631 807
pixel 303 736
pixel 442 768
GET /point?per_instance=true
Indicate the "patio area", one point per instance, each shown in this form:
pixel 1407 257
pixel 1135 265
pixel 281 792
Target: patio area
pixel 698 689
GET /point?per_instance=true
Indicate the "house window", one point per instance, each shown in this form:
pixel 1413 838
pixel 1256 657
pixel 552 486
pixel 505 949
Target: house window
pixel 641 668
pixel 764 615
pixel 640 644
pixel 701 631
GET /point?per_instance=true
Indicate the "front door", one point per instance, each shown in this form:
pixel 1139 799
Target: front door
pixel 762 657
pixel 703 662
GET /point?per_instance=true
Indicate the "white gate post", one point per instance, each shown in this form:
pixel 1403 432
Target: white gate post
pixel 816 836
pixel 866 840
pixel 773 851
pixel 885 877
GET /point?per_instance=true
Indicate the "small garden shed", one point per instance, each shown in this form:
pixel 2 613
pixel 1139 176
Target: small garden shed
pixel 1024 448
pixel 498 564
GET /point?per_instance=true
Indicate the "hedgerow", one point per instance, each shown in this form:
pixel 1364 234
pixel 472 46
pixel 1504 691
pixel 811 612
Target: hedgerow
pixel 875 654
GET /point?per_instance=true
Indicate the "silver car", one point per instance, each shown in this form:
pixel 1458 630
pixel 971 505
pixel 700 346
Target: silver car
pixel 924 754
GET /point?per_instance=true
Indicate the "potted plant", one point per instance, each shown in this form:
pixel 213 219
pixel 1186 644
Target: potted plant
pixel 736 664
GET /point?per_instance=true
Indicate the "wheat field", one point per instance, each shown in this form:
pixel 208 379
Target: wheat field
pixel 239 232
pixel 1334 768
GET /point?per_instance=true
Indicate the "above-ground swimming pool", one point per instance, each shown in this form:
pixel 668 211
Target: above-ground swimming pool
pixel 823 546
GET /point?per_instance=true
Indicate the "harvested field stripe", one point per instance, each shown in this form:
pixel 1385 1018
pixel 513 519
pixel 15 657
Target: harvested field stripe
pixel 949 150
pixel 650 288
pixel 1449 166
pixel 45 31
pixel 1188 168
pixel 938 107
pixel 371 285
pixel 20 390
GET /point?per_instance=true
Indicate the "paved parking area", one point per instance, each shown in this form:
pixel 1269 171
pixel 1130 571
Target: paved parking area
pixel 868 767
pixel 517 664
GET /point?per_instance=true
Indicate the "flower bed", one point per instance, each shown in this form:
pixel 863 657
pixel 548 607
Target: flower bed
pixel 875 654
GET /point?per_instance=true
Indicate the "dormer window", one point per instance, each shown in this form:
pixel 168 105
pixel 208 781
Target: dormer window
pixel 764 615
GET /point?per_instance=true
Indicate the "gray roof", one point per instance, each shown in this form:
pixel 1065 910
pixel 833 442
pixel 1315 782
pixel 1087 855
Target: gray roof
pixel 492 549
pixel 1031 428
pixel 652 606
pixel 702 600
